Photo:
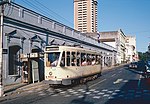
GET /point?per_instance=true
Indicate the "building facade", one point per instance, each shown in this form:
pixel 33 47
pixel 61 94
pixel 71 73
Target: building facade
pixel 85 15
pixel 131 48
pixel 117 40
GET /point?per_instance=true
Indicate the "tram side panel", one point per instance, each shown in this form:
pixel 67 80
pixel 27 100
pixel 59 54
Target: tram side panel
pixel 60 75
pixel 71 65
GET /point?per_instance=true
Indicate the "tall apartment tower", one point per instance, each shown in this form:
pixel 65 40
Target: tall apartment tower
pixel 85 15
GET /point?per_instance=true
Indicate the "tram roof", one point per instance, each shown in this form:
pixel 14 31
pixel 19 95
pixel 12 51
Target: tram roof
pixel 71 48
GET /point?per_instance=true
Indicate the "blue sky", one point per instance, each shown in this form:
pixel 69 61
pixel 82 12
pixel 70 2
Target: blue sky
pixel 132 16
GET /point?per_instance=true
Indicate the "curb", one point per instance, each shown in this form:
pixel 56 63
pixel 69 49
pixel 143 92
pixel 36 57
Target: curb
pixel 113 67
pixel 24 90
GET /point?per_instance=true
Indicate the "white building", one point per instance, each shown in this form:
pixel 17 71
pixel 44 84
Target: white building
pixel 115 39
pixel 131 54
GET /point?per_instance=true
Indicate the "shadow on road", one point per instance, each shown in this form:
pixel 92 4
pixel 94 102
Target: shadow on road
pixel 139 71
pixel 136 71
pixel 133 92
pixel 82 100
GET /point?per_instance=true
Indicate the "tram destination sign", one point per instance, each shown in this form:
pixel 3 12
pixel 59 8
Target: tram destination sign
pixel 52 48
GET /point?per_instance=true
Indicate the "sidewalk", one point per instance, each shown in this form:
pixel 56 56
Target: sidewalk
pixel 117 66
pixel 21 88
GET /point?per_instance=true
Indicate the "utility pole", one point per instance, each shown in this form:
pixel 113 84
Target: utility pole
pixel 2 2
pixel 1 50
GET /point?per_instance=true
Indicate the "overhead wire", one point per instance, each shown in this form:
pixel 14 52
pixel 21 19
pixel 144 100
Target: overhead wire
pixel 36 8
pixel 40 4
pixel 39 7
pixel 135 32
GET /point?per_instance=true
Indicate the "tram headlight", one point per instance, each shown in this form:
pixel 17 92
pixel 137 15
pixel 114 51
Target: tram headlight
pixel 50 73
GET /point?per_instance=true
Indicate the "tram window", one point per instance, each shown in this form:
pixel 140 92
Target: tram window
pixel 101 57
pixel 73 59
pixel 98 59
pixel 83 59
pixel 73 62
pixel 78 59
pixel 89 59
pixel 62 62
pixel 93 60
pixel 48 64
pixel 53 59
pixel 68 58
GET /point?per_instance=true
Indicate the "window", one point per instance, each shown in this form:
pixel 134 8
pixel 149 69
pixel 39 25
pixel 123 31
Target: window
pixel 73 59
pixel 68 58
pixel 62 62
pixel 83 59
pixel 93 59
pixel 78 59
pixel 89 59
pixel 52 59
pixel 98 59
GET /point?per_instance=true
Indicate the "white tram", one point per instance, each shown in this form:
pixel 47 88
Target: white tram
pixel 67 65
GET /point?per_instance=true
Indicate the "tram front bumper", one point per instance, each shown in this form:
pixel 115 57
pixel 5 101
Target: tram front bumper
pixel 53 82
pixel 58 82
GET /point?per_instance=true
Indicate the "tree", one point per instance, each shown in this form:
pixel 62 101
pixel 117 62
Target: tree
pixel 144 56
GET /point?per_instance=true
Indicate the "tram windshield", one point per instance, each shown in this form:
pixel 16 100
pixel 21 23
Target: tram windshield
pixel 52 59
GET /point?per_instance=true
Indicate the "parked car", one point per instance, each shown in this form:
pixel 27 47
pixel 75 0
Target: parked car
pixel 147 69
pixel 133 65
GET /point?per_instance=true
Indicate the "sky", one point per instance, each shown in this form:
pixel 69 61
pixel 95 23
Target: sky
pixel 132 16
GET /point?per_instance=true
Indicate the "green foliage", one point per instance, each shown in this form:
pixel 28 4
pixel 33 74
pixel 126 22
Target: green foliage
pixel 144 56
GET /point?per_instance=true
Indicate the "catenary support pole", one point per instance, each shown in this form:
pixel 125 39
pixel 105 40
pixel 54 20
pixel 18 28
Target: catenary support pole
pixel 1 51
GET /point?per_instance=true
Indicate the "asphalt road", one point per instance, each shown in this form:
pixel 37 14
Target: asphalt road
pixel 116 86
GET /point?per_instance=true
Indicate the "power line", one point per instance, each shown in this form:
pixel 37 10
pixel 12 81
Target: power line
pixel 53 12
pixel 36 6
pixel 139 32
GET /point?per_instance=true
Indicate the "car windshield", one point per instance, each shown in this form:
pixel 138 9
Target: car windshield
pixel 148 62
pixel 134 63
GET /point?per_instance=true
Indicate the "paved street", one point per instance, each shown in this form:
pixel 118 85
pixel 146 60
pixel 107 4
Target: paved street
pixel 116 86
